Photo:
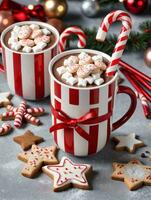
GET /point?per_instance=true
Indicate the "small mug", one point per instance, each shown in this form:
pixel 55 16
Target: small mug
pixel 27 73
pixel 76 103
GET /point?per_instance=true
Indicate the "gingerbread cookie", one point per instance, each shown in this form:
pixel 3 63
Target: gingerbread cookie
pixel 5 129
pixel 127 142
pixel 134 174
pixel 67 174
pixel 27 140
pixel 5 98
pixel 36 158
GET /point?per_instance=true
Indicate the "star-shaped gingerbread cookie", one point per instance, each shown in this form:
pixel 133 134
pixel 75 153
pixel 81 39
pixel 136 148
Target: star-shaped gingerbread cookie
pixel 127 142
pixel 134 174
pixel 27 140
pixel 5 98
pixel 67 174
pixel 36 158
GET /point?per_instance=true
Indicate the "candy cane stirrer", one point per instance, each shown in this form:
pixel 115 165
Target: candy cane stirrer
pixel 145 104
pixel 68 32
pixel 112 17
pixel 19 115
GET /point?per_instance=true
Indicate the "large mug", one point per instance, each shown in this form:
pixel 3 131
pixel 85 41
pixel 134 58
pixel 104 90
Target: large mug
pixel 27 73
pixel 74 103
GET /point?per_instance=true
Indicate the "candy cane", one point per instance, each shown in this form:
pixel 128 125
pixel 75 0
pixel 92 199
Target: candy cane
pixel 31 119
pixel 5 129
pixel 112 17
pixel 7 115
pixel 36 111
pixel 145 104
pixel 68 32
pixel 11 108
pixel 19 115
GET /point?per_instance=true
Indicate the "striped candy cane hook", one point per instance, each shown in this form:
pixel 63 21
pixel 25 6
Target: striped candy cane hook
pixel 112 17
pixel 70 31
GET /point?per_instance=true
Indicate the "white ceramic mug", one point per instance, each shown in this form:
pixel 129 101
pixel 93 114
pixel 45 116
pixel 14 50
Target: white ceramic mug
pixel 70 106
pixel 27 73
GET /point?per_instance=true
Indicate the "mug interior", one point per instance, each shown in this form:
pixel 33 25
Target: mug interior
pixel 42 24
pixel 106 58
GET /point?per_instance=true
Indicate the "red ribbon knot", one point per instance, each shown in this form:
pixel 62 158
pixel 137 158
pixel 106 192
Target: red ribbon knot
pixel 89 118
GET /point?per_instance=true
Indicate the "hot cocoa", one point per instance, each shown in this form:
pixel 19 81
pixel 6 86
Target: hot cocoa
pixel 29 38
pixel 81 70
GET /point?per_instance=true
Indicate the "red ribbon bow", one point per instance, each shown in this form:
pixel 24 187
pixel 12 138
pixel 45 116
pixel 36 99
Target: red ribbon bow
pixel 89 118
pixel 22 12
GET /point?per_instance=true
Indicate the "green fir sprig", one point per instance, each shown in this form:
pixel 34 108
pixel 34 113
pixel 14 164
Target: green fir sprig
pixel 138 41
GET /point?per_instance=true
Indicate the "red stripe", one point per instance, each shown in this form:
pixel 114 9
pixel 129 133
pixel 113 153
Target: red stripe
pixel 115 62
pixel 93 136
pixel 57 106
pixel 120 48
pixel 110 19
pixel 39 75
pixel 69 140
pixel 94 96
pixel 122 38
pixel 73 96
pixel 17 74
pixel 104 28
pixel 57 89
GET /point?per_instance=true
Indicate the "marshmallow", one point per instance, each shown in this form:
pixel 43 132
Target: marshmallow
pixel 34 26
pixel 41 45
pixel 85 71
pixel 101 65
pixel 27 49
pixel 42 38
pixel 97 57
pixel 82 55
pixel 96 76
pixel 71 80
pixel 16 29
pixel 36 33
pixel 12 40
pixel 27 42
pixel 61 70
pixel 90 79
pixel 99 81
pixel 14 35
pixel 16 46
pixel 71 61
pixel 36 49
pixel 24 32
pixel 73 68
pixel 66 75
pixel 84 58
pixel 82 82
pixel 46 31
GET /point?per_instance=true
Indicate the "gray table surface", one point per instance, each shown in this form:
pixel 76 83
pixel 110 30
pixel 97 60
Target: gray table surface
pixel 13 186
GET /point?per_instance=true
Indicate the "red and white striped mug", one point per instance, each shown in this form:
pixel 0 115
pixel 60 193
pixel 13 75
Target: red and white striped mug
pixel 27 73
pixel 82 117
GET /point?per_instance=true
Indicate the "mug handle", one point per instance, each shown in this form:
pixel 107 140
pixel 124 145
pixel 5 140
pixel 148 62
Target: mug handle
pixel 1 66
pixel 126 90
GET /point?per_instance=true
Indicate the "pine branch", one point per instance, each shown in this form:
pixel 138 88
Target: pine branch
pixel 138 41
pixel 145 26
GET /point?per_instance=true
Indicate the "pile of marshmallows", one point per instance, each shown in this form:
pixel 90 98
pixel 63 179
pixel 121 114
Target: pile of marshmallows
pixel 82 70
pixel 29 38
